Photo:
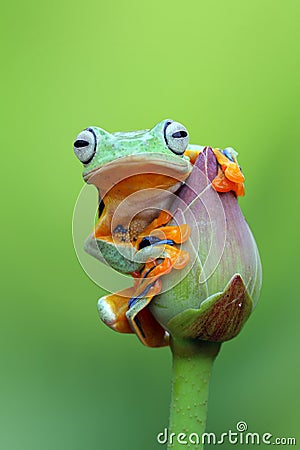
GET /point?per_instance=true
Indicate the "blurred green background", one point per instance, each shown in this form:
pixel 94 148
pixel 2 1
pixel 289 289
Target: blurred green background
pixel 229 71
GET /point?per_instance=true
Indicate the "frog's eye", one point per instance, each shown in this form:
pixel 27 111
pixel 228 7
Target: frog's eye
pixel 176 137
pixel 85 146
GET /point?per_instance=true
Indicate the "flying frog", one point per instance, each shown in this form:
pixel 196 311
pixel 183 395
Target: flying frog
pixel 137 174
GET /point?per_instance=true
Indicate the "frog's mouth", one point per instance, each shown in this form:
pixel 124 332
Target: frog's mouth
pixel 158 171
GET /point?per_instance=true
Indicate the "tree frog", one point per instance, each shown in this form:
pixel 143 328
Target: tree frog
pixel 137 175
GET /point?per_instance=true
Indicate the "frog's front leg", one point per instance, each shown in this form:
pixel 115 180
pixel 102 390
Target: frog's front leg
pixel 156 245
pixel 158 236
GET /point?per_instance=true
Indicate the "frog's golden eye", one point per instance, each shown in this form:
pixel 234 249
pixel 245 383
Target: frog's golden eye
pixel 176 137
pixel 85 146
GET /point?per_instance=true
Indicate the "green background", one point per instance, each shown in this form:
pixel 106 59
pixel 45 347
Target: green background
pixel 229 71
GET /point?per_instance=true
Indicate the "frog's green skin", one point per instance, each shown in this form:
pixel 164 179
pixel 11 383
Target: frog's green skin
pixel 118 156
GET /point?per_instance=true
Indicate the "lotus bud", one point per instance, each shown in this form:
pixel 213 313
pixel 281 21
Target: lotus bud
pixel 214 296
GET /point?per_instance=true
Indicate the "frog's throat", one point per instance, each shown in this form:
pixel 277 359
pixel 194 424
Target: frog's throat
pixel 110 174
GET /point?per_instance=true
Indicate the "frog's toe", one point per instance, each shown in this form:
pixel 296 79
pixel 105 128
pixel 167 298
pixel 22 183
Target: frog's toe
pixel 106 312
pixel 179 258
pixel 222 184
pixel 193 154
pixel 163 218
pixel 234 173
pixel 230 176
pixel 177 234
pixel 112 310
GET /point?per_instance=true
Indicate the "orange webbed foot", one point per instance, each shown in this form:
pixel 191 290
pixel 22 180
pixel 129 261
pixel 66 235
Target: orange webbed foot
pixel 222 184
pixel 179 258
pixel 163 218
pixel 230 176
pixel 177 234
pixel 158 229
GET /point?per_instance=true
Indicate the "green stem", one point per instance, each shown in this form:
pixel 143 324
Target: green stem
pixel 192 363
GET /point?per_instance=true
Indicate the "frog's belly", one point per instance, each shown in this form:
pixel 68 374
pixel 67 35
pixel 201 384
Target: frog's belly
pixel 139 209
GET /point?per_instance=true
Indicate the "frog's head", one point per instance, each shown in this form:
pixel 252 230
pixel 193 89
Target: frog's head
pixel 109 158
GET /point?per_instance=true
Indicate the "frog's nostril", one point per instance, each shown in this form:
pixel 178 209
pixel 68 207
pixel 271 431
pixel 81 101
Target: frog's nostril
pixel 81 143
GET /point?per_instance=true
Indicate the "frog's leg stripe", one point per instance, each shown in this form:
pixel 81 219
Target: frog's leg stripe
pixel 149 271
pixel 152 334
pixel 156 336
pixel 134 300
pixel 138 323
pixel 148 267
pixel 153 240
pixel 136 304
pixel 146 327
pixel 159 270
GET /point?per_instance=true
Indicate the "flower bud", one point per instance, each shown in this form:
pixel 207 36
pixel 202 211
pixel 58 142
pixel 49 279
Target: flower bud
pixel 214 297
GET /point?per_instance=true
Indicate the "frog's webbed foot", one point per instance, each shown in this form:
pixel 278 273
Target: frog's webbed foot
pixel 158 241
pixel 222 184
pixel 230 177
pixel 157 233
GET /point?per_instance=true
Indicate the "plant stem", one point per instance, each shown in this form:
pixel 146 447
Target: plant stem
pixel 192 363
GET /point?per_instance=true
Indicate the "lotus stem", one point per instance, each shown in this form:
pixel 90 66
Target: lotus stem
pixel 192 364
